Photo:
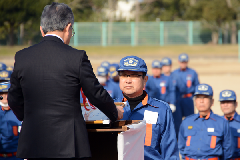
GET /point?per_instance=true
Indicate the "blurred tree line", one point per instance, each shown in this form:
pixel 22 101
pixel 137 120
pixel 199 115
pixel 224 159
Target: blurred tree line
pixel 20 19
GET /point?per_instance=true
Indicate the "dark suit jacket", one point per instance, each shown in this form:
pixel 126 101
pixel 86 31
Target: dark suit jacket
pixel 45 95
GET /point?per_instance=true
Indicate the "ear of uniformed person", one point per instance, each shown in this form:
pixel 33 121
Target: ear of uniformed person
pixel 132 83
pixel 203 104
pixel 229 108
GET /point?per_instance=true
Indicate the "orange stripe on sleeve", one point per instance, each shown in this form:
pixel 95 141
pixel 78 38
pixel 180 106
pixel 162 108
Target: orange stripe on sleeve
pixel 238 142
pixel 148 137
pixel 213 141
pixel 15 130
pixel 188 140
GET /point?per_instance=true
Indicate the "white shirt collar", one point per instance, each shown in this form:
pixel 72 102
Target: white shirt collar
pixel 55 36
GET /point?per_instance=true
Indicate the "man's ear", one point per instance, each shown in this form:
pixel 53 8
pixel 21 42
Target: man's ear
pixel 43 34
pixel 68 27
pixel 145 80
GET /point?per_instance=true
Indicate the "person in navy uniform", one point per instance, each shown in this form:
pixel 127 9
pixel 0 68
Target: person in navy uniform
pixel 228 103
pixel 205 135
pixel 160 140
pixel 186 81
pixel 9 127
pixel 103 78
pixel 159 86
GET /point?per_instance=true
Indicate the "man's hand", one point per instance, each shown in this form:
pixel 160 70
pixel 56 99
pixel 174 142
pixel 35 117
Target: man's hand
pixel 120 112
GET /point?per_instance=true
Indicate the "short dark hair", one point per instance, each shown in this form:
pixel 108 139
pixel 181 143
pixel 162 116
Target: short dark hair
pixel 56 17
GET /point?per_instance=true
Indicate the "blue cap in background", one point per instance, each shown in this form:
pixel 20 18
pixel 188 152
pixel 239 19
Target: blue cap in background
pixel 3 66
pixel 156 64
pixel 5 75
pixel 166 61
pixel 204 89
pixel 105 64
pixel 183 57
pixel 227 95
pixel 102 71
pixel 4 86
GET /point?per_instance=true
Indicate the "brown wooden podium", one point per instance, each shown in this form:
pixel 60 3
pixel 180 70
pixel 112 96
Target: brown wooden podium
pixel 103 138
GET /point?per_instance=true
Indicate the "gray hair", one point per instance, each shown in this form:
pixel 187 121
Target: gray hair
pixel 56 17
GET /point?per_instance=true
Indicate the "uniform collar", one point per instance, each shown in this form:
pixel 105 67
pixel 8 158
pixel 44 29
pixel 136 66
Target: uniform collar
pixel 183 70
pixel 146 101
pixel 236 117
pixel 209 115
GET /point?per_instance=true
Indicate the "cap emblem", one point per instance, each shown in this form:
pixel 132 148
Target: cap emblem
pixel 130 62
pixel 226 94
pixel 202 88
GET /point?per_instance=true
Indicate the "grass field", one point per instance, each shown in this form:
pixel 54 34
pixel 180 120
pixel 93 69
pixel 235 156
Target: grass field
pixel 217 66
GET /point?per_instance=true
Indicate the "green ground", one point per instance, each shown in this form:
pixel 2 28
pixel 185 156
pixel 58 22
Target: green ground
pixel 204 50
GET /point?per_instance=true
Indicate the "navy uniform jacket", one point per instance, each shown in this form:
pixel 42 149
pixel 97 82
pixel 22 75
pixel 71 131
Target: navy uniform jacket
pixel 189 77
pixel 9 131
pixel 160 141
pixel 161 88
pixel 234 124
pixel 201 138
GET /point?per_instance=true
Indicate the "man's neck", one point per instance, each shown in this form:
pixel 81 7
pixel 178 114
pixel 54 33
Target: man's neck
pixel 58 33
pixel 167 74
pixel 230 114
pixel 204 113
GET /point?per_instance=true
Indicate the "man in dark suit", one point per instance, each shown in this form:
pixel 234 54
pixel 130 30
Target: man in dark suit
pixel 45 91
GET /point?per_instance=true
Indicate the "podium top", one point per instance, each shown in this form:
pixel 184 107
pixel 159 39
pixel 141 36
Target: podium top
pixel 104 126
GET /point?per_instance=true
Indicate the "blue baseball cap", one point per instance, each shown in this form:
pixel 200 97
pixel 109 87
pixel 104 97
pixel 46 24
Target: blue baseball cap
pixel 204 89
pixel 132 63
pixel 227 95
pixel 113 70
pixel 9 68
pixel 5 75
pixel 156 64
pixel 4 86
pixel 166 61
pixel 105 64
pixel 183 57
pixel 102 71
pixel 3 66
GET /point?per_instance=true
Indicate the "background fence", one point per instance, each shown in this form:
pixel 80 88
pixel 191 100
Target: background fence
pixel 141 33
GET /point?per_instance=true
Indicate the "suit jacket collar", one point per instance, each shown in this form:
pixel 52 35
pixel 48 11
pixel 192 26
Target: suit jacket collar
pixel 52 38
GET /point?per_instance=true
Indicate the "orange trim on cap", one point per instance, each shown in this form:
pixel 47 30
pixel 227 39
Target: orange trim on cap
pixel 15 130
pixel 189 83
pixel 213 141
pixel 163 90
pixel 238 142
pixel 145 100
pixel 188 140
pixel 148 137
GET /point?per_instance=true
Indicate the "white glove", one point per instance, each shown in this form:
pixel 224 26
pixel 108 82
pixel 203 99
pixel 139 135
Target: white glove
pixel 173 107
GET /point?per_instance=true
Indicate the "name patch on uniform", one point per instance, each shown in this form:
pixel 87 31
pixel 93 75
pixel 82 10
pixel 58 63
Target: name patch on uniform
pixel 238 130
pixel 150 117
pixel 190 127
pixel 210 129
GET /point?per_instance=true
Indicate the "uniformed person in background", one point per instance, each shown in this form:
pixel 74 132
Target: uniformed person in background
pixel 160 139
pixel 113 74
pixel 205 135
pixel 159 86
pixel 228 103
pixel 9 127
pixel 105 64
pixel 3 66
pixel 5 75
pixel 103 78
pixel 187 80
